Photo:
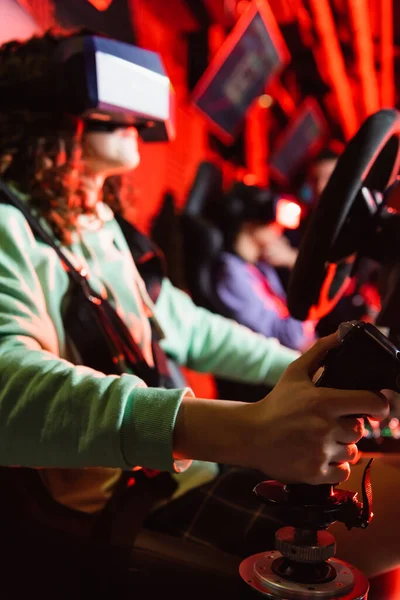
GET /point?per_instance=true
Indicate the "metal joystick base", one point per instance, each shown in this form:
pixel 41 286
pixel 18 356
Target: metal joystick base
pixel 302 567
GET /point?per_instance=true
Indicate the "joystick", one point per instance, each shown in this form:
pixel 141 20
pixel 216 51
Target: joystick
pixel 303 563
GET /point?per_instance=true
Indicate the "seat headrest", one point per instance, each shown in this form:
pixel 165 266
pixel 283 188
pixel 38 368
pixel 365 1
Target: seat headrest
pixel 206 187
pixel 202 245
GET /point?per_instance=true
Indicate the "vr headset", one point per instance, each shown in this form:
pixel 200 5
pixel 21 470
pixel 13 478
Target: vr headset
pixel 104 81
pixel 248 203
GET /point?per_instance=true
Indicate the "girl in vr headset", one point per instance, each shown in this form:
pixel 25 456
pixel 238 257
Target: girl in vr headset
pixel 88 440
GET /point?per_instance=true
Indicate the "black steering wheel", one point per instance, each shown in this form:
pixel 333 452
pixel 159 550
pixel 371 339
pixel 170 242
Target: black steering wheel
pixel 345 216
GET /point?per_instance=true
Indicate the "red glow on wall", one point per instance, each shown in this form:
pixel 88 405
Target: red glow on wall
pixel 360 20
pixel 100 4
pixel 43 12
pixel 331 62
pixel 256 140
pixel 250 179
pixel 16 22
pixel 386 54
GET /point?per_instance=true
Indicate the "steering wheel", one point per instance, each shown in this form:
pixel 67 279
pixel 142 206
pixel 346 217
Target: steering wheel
pixel 345 216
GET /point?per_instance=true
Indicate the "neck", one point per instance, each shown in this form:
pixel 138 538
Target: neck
pixel 92 184
pixel 246 248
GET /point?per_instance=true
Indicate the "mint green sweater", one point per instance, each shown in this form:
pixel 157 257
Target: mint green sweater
pixel 55 414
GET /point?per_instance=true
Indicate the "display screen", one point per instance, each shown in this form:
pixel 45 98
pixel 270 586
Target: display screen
pixel 252 54
pixel 303 136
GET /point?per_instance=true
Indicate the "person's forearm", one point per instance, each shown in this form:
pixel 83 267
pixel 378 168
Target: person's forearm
pixel 55 414
pixel 213 344
pixel 213 430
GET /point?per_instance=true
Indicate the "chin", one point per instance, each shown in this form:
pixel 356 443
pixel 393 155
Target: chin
pixel 135 163
pixel 131 161
pixel 125 166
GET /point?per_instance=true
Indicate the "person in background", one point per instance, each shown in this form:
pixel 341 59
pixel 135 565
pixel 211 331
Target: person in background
pixel 314 180
pixel 319 171
pixel 246 281
pixel 360 300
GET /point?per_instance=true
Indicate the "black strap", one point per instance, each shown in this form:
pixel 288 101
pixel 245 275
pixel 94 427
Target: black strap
pixel 77 277
pixel 149 259
pixel 139 246
pixel 40 231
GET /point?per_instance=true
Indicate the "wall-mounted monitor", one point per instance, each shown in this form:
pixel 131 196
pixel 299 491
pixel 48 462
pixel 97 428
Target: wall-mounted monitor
pixel 303 136
pixel 253 53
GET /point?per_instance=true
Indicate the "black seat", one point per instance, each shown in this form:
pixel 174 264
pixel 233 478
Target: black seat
pixel 202 244
pixel 202 241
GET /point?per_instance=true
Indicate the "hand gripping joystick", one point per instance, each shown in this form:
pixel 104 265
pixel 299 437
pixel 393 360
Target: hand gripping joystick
pixel 303 566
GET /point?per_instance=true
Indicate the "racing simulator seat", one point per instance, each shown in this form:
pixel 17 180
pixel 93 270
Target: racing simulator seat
pixel 202 241
pixel 202 244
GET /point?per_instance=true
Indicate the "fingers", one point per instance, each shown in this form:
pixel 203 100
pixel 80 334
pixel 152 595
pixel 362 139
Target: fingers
pixel 336 474
pixel 340 403
pixel 339 454
pixel 309 362
pixel 332 473
pixel 350 430
pixel 343 454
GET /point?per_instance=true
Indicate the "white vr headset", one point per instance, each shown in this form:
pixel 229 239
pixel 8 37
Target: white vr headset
pixel 103 81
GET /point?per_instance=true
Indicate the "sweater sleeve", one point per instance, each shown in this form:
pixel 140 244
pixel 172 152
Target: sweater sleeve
pixel 56 414
pixel 210 343
pixel 236 292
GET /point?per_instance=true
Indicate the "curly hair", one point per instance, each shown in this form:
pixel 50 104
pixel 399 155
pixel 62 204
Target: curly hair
pixel 40 150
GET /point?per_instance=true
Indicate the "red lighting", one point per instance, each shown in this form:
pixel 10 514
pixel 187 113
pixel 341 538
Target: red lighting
pixel 100 4
pixel 386 53
pixel 250 179
pixel 288 213
pixel 242 6
pixel 332 64
pixel 360 21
